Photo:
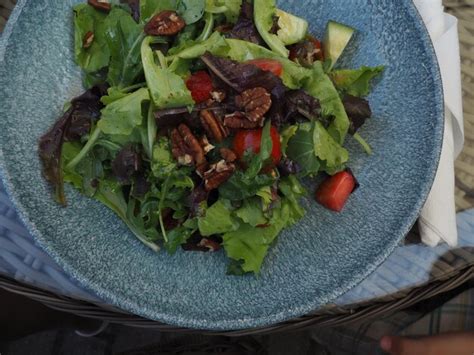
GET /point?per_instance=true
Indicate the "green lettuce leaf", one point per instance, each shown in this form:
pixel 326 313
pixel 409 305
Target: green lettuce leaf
pixel 250 245
pixel 167 89
pixel 314 149
pixel 251 212
pixel 286 135
pixel 320 86
pixel 150 7
pixel 301 149
pixel 229 8
pixel 216 44
pixel 122 116
pixel 355 82
pixel 191 10
pixel 97 56
pixel 218 219
pixel 293 191
pixel 113 94
pixel 264 11
pixel 328 150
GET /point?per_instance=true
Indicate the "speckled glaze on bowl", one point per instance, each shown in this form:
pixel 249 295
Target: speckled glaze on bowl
pixel 314 262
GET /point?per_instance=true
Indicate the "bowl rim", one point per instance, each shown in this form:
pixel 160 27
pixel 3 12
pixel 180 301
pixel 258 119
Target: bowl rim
pixel 251 322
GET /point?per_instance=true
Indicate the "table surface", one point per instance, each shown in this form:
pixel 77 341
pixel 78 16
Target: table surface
pixel 411 265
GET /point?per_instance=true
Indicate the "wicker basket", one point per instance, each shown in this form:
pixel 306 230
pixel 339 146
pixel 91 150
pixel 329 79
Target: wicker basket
pixel 331 316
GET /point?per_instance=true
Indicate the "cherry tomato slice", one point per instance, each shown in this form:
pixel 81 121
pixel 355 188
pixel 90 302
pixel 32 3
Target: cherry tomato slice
pixel 270 65
pixel 250 140
pixel 200 85
pixel 317 44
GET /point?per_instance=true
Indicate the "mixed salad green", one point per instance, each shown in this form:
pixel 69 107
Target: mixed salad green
pixel 202 117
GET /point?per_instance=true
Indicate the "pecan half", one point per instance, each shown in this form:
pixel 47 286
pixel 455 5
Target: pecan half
pixel 228 155
pixel 101 5
pixel 166 23
pixel 186 148
pixel 237 120
pixel 88 40
pixel 213 126
pixel 218 174
pixel 218 95
pixel 255 102
pixel 209 244
pixel 205 144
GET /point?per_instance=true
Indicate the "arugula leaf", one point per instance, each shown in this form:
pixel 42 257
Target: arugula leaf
pixel 320 86
pixel 97 56
pixel 124 37
pixel 122 116
pixel 218 219
pixel 167 89
pixel 163 163
pixel 240 186
pixel 230 8
pixel 86 175
pixel 244 184
pixel 355 82
pixel 293 74
pixel 110 194
pixel 177 237
pixel 264 11
pixel 191 10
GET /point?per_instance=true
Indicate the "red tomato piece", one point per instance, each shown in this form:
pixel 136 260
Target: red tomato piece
pixel 200 85
pixel 250 140
pixel 317 44
pixel 271 65
pixel 335 191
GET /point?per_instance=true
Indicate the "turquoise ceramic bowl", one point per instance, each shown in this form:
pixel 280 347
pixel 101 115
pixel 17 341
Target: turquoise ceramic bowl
pixel 314 262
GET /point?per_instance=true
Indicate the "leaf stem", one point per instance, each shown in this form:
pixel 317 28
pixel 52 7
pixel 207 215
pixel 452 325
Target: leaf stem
pixel 366 146
pixel 164 192
pixel 207 31
pixel 86 149
pixel 152 130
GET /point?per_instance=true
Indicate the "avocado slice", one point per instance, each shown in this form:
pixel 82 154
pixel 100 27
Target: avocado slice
pixel 336 39
pixel 293 29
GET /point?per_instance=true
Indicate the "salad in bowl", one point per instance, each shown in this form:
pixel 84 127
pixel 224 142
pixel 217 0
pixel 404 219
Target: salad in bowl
pixel 204 123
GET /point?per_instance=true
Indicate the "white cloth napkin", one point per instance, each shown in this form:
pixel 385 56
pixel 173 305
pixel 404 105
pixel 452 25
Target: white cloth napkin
pixel 437 222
